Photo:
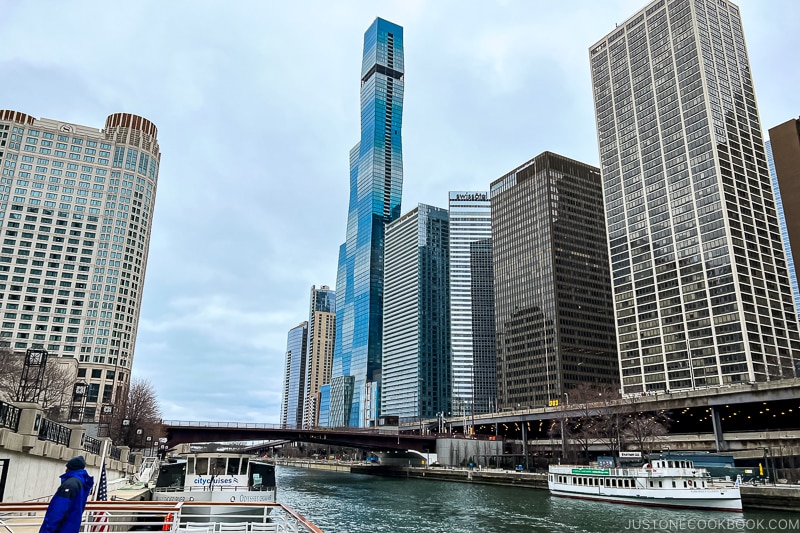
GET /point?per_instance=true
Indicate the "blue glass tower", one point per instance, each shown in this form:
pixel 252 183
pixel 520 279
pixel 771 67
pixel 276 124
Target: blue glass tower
pixel 376 184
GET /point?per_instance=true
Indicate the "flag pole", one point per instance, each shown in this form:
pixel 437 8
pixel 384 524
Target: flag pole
pixel 102 463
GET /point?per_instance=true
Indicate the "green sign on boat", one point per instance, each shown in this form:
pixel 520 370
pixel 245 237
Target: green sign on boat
pixel 595 471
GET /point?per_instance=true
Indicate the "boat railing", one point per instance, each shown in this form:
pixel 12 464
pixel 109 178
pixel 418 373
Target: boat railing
pixel 577 470
pixel 175 517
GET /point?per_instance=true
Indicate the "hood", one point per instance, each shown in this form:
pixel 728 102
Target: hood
pixel 82 474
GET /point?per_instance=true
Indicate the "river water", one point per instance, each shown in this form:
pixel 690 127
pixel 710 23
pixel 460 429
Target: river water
pixel 353 503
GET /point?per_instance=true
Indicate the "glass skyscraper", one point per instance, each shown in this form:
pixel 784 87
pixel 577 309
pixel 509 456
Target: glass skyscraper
pixel 701 287
pixel 376 183
pixel 416 321
pixel 471 303
pixel 294 376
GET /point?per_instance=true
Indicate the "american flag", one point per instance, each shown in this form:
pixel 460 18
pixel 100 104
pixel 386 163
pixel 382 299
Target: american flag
pixel 100 518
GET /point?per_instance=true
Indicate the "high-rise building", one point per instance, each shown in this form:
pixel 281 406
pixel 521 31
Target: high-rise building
pixel 552 293
pixel 77 214
pixel 376 184
pixel 319 353
pixel 416 318
pixel 471 303
pixel 783 159
pixel 701 287
pixel 294 376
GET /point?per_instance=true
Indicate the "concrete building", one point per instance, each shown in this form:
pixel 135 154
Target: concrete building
pixel 319 353
pixel 701 287
pixel 471 303
pixel 77 211
pixel 416 316
pixel 552 294
pixel 783 158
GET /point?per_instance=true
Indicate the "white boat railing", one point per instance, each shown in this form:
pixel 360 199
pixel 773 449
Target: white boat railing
pixel 175 517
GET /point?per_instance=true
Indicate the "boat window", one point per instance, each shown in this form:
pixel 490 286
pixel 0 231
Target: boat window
pixel 651 484
pixel 190 466
pixel 660 485
pixel 684 484
pixel 233 466
pixel 243 469
pixel 673 484
pixel 218 466
pixel 262 476
pixel 201 467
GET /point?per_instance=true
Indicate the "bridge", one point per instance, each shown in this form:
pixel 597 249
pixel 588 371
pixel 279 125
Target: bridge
pixel 370 439
pixel 770 407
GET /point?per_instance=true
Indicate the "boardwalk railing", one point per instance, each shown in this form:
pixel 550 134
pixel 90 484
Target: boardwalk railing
pixel 9 416
pixel 54 432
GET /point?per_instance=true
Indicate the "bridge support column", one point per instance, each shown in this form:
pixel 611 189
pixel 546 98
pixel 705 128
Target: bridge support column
pixel 719 441
pixel 525 443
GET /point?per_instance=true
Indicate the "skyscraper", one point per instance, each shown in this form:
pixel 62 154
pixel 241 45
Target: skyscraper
pixel 471 303
pixel 319 354
pixel 552 291
pixel 416 319
pixel 294 376
pixel 783 159
pixel 77 218
pixel 376 183
pixel 701 287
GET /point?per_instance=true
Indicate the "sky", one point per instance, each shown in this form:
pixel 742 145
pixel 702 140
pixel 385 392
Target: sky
pixel 257 107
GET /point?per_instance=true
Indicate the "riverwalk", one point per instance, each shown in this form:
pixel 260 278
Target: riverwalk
pixel 781 497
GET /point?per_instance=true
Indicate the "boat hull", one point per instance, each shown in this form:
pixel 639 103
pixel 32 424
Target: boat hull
pixel 726 499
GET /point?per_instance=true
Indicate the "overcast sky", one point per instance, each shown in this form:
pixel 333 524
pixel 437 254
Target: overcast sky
pixel 257 107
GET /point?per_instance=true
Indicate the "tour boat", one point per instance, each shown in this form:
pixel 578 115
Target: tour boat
pixel 664 483
pixel 215 477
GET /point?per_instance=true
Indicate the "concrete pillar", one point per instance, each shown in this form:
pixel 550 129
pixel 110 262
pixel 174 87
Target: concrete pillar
pixel 76 437
pixel 525 443
pixel 30 418
pixel 719 441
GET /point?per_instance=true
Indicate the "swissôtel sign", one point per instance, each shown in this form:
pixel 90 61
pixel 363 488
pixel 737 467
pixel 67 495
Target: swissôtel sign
pixel 469 196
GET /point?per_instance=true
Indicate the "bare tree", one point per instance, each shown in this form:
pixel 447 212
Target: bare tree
pixel 10 372
pixel 140 409
pixel 57 388
pixel 645 428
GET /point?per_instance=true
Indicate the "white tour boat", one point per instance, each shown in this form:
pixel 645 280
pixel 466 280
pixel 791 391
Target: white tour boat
pixel 664 483
pixel 215 477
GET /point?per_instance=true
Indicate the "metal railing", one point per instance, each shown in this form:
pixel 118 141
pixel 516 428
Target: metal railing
pixel 115 453
pixel 54 432
pixel 175 517
pixel 92 445
pixel 9 416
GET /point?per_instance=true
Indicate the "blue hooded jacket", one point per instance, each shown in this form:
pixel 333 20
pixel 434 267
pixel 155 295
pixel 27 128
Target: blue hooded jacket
pixel 66 508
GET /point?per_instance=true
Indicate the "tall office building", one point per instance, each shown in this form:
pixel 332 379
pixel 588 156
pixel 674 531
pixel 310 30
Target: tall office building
pixel 471 304
pixel 552 293
pixel 416 318
pixel 294 376
pixel 783 159
pixel 319 353
pixel 376 183
pixel 701 287
pixel 76 214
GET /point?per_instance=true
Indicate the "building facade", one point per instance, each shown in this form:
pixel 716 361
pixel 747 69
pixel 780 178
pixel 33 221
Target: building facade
pixel 783 159
pixel 77 212
pixel 701 286
pixel 319 358
pixel 294 377
pixel 376 183
pixel 471 303
pixel 416 368
pixel 552 293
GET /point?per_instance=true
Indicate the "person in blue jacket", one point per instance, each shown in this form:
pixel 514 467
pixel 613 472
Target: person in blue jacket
pixel 66 507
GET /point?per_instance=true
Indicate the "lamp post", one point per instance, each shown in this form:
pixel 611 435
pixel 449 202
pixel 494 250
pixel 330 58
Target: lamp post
pixel 149 445
pixel 563 428
pixel 78 401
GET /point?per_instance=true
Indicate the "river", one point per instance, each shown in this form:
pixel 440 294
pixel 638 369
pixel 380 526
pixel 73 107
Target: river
pixel 352 503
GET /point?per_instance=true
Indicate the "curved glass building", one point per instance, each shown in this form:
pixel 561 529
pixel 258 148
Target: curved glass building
pixel 376 183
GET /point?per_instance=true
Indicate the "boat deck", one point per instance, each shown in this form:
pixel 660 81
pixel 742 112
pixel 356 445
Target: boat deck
pixel 177 517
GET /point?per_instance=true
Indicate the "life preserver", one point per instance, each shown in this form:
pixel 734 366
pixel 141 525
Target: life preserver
pixel 647 466
pixel 167 523
pixel 689 482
